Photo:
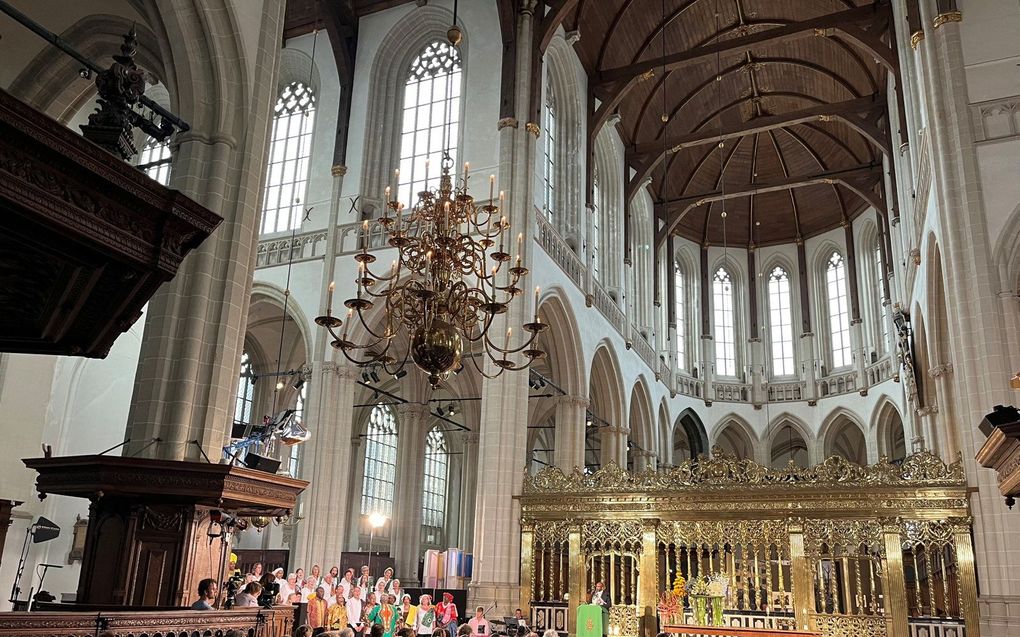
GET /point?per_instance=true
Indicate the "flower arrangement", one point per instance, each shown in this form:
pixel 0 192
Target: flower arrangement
pixel 671 604
pixel 680 586
pixel 699 586
pixel 718 585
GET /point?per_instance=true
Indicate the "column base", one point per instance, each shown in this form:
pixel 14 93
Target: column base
pixel 1000 615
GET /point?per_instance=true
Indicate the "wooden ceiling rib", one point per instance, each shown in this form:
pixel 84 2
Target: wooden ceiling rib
pixel 800 97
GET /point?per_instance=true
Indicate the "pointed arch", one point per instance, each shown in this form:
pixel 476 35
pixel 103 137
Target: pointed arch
pixel 689 436
pixel 790 439
pixel 564 113
pixel 842 434
pixel 561 342
pixel 735 437
pixel 887 427
pixel 606 402
pixel 641 440
pixel 832 298
pixel 607 215
pixel 664 435
pixel 393 58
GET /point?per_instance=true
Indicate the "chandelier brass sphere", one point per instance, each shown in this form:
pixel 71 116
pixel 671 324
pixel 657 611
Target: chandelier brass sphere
pixel 451 278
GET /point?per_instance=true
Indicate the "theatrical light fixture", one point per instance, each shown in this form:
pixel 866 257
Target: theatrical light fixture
pixel 452 277
pixel 376 520
pixel 400 374
pixel 440 411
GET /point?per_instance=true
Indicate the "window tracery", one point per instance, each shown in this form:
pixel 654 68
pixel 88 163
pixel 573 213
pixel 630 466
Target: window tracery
pixel 437 468
pixel 431 115
pixel 290 152
pixel 838 311
pixel 780 322
pixel 724 326
pixel 380 462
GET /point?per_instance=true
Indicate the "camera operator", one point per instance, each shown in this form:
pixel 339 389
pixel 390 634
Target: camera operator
pixel 249 598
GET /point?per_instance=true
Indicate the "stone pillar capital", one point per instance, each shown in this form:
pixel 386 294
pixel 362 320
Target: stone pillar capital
pixel 939 371
pixel 569 400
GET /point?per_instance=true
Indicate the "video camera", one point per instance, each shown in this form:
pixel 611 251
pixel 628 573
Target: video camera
pixel 232 586
pixel 268 595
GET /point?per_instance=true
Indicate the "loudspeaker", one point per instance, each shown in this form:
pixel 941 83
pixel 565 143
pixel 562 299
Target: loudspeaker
pixel 1000 416
pixel 261 463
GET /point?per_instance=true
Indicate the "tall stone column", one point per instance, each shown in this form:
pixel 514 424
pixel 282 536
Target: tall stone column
pixel 860 354
pixel 469 486
pixel 708 366
pixel 321 534
pixel 945 428
pixel 758 378
pixel 570 430
pixel 971 286
pixel 194 333
pixel 496 576
pixel 412 427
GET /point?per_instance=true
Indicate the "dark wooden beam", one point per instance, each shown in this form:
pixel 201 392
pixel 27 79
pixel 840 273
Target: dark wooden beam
pixel 613 84
pixel 830 24
pixel 860 179
pixel 857 113
pixel 557 12
pixel 342 26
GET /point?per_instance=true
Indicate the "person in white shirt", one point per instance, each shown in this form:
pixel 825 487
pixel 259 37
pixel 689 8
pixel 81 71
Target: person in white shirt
pixel 328 583
pixel 347 582
pixel 354 607
pixel 308 589
pixel 365 583
pixel 386 580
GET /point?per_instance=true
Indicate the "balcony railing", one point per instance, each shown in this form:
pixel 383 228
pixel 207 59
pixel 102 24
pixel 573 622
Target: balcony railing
pixel 349 237
pixel 151 622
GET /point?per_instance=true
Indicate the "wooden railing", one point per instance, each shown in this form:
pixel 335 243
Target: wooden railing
pixel 151 622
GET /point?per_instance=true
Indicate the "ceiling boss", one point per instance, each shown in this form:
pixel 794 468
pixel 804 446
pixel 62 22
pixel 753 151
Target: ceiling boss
pixel 453 275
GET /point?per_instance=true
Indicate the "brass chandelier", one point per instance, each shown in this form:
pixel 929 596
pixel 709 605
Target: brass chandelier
pixel 450 279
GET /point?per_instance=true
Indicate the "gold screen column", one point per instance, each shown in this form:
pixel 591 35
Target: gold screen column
pixel 577 577
pixel 527 568
pixel 800 575
pixel 648 579
pixel 967 576
pixel 893 580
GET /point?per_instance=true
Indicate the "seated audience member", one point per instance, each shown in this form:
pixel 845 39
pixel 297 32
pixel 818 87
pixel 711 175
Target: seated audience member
pixel 304 630
pixel 464 631
pixel 549 632
pixel 249 597
pixel 346 632
pixel 208 589
pixel 479 625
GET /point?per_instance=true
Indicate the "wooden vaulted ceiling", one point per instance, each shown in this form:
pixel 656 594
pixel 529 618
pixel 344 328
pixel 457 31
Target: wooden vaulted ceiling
pixel 794 89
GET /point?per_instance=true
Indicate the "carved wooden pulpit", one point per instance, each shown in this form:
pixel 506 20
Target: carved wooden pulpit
pixel 151 537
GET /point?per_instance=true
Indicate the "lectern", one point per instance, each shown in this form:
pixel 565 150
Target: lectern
pixel 589 620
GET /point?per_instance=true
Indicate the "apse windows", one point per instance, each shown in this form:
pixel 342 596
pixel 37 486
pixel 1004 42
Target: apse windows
pixel 839 314
pixel 723 324
pixel 380 462
pixel 780 322
pixel 430 119
pixel 245 391
pixel 680 308
pixel 549 184
pixel 437 472
pixel 290 149
pixel 154 159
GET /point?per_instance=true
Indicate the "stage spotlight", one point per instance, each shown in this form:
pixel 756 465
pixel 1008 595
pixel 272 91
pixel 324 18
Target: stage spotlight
pixel 400 374
pixel 299 383
pixel 440 411
pixel 452 409
pixel 365 377
pixel 375 377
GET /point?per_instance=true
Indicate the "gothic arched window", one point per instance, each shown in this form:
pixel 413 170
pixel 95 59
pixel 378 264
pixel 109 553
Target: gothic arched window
pixel 245 391
pixel 680 284
pixel 290 150
pixel 780 322
pixel 596 231
pixel 380 462
pixel 549 181
pixel 437 474
pixel 431 118
pixel 839 314
pixel 724 325
pixel 881 327
pixel 154 159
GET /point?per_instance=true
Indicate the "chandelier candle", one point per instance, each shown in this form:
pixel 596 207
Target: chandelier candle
pixel 444 307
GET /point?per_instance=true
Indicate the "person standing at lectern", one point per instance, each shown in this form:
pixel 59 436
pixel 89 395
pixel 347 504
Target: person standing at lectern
pixel 600 597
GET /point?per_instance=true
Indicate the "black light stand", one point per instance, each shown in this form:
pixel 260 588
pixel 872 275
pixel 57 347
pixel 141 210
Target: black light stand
pixel 42 531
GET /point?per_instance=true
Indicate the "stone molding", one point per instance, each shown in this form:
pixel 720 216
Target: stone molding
pixel 338 170
pixel 533 128
pixel 507 121
pixel 938 371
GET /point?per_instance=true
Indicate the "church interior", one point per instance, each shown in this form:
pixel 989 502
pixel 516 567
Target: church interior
pixel 561 317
